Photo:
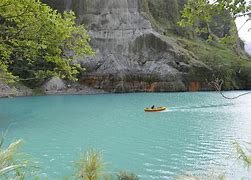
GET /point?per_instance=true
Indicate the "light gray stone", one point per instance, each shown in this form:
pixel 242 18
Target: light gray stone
pixel 54 84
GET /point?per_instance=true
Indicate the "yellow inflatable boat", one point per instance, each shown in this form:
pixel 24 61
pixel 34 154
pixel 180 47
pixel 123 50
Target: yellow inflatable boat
pixel 157 109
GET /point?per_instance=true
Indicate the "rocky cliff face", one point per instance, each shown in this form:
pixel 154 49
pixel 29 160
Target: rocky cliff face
pixel 14 90
pixel 134 48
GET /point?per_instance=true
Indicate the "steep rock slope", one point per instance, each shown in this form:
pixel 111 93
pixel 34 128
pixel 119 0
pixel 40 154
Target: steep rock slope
pixel 135 47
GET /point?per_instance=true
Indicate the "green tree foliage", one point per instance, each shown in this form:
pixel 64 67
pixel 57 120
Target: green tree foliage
pixel 200 13
pixel 36 41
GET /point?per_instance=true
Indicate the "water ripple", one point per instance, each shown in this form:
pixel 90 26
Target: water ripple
pixel 193 137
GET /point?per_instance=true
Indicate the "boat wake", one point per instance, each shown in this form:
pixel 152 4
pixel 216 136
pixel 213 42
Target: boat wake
pixel 184 108
pixel 167 110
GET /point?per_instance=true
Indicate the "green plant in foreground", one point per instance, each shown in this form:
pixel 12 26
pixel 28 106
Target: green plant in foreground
pixel 90 166
pixel 124 175
pixel 242 154
pixel 8 166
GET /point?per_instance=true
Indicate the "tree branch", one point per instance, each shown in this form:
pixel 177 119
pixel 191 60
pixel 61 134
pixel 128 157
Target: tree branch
pixel 217 85
pixel 244 24
pixel 244 14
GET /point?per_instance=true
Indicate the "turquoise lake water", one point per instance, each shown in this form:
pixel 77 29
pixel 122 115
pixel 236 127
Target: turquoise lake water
pixel 193 137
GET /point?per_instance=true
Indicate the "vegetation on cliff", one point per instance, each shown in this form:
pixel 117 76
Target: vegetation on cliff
pixel 224 62
pixel 203 14
pixel 36 41
pixel 208 32
pixel 224 51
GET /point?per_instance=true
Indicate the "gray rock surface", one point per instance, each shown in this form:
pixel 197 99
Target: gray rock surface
pixel 14 90
pixel 55 85
pixel 133 51
pixel 130 54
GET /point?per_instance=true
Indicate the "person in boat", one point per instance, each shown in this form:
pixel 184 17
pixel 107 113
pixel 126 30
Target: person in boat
pixel 152 107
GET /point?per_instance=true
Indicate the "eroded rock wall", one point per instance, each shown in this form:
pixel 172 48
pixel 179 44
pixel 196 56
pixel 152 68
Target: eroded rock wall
pixel 133 52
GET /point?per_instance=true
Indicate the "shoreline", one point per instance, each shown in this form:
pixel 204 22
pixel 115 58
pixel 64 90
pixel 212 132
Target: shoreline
pixel 63 93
